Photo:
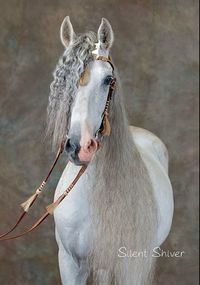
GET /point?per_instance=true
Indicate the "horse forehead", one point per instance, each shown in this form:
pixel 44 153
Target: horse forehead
pixel 99 68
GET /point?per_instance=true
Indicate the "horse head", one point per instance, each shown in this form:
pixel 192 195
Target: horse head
pixel 92 85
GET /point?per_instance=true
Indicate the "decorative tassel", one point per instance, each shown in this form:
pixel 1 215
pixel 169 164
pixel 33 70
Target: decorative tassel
pixel 28 203
pixel 106 126
pixel 50 208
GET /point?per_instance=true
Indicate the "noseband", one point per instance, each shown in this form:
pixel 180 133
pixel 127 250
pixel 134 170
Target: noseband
pixel 104 130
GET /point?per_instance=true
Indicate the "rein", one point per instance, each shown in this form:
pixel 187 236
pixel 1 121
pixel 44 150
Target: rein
pixel 50 208
pixel 28 203
pixel 104 130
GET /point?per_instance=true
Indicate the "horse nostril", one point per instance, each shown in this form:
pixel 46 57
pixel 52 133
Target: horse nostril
pixel 92 145
pixel 71 147
pixel 67 145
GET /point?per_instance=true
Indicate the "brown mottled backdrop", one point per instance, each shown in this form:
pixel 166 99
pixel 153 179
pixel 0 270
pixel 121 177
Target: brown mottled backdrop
pixel 156 51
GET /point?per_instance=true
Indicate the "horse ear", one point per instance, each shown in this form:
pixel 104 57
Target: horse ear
pixel 105 35
pixel 67 34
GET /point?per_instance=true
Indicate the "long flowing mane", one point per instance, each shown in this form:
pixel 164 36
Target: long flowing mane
pixel 122 205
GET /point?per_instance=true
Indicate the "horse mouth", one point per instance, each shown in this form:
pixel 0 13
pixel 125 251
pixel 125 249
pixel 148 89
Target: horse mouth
pixel 81 158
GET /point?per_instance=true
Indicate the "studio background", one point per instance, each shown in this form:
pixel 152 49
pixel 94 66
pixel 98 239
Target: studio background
pixel 156 53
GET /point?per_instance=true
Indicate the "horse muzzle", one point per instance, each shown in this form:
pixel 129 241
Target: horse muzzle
pixel 81 154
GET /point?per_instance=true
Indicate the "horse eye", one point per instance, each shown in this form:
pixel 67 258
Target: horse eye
pixel 107 79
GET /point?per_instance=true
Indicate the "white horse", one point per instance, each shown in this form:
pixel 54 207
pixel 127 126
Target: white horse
pixel 123 202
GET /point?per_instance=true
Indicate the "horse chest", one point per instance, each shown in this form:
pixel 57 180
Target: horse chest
pixel 72 215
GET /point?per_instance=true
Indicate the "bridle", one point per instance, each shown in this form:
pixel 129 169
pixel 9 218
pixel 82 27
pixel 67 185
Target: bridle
pixel 104 130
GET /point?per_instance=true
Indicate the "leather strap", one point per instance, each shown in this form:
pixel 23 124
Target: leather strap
pixel 38 190
pixel 47 213
pixel 106 59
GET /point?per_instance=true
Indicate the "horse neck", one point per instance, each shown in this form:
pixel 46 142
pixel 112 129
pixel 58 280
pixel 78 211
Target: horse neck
pixel 118 147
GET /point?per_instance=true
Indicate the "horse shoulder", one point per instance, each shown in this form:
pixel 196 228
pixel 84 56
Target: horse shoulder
pixel 150 144
pixel 155 156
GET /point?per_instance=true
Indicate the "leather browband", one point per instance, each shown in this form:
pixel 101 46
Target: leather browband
pixel 106 59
